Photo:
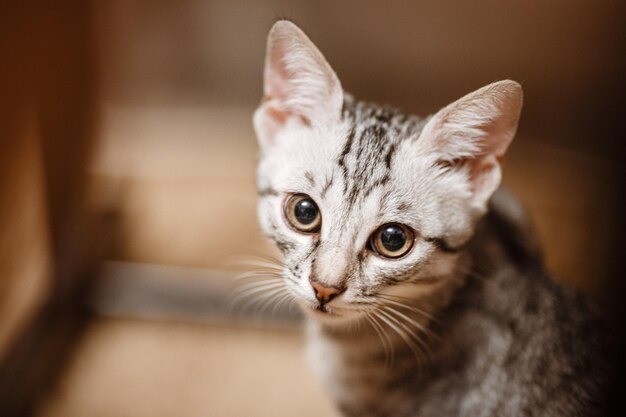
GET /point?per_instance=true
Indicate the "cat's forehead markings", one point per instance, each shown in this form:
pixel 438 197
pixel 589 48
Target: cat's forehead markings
pixel 310 178
pixel 341 161
pixel 384 203
pixel 371 143
pixel 327 185
pixel 403 206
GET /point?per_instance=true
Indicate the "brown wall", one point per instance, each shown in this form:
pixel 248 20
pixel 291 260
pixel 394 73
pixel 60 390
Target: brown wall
pixel 45 259
pixel 418 54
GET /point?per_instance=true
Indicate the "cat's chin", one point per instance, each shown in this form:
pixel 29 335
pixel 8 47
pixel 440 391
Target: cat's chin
pixel 330 315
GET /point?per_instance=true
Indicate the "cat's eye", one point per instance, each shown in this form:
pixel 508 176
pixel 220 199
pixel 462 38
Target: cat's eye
pixel 302 213
pixel 392 240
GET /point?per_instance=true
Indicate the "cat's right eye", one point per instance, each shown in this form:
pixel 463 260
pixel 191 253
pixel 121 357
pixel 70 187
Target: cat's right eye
pixel 392 240
pixel 302 213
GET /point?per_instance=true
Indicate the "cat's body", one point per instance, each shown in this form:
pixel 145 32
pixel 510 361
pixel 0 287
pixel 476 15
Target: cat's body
pixel 421 301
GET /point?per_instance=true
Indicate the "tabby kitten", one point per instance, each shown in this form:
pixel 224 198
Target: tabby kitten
pixel 424 292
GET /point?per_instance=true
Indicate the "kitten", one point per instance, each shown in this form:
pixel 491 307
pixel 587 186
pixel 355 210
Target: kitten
pixel 424 292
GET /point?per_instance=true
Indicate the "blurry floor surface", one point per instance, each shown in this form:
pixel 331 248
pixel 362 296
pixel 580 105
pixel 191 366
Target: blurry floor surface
pixel 137 368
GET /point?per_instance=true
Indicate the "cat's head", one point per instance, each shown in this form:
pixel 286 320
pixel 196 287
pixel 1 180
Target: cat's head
pixel 361 198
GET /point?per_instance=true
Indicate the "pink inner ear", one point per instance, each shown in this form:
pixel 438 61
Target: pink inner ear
pixel 276 85
pixel 279 90
pixel 270 118
pixel 279 116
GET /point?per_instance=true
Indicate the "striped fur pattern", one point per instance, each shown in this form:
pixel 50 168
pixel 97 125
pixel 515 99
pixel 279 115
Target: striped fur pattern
pixel 466 323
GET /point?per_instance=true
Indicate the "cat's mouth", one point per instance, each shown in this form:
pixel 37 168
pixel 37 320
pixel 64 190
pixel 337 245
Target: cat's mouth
pixel 330 312
pixel 324 311
pixel 322 308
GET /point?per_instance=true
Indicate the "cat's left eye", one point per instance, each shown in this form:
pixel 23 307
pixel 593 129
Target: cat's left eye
pixel 392 240
pixel 302 213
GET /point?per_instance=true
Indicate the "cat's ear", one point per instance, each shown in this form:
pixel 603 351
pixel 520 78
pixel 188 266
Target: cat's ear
pixel 475 132
pixel 299 86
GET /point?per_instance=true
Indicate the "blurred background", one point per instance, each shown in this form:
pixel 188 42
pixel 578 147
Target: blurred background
pixel 127 163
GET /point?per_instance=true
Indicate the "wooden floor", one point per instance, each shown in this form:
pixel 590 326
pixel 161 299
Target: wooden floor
pixel 182 184
pixel 134 368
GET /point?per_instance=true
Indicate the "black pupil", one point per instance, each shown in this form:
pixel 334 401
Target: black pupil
pixel 305 211
pixel 393 238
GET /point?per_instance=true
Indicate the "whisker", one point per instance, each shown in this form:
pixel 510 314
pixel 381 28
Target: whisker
pixel 266 299
pixel 257 260
pixel 419 326
pixel 390 299
pixel 384 340
pixel 256 274
pixel 254 253
pixel 253 286
pixel 243 286
pixel 390 343
pixel 425 347
pixel 261 301
pixel 260 264
pixel 404 333
pixel 285 297
pixel 355 326
pixel 252 289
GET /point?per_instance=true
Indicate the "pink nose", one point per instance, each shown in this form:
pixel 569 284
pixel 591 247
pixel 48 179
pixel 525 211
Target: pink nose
pixel 325 294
